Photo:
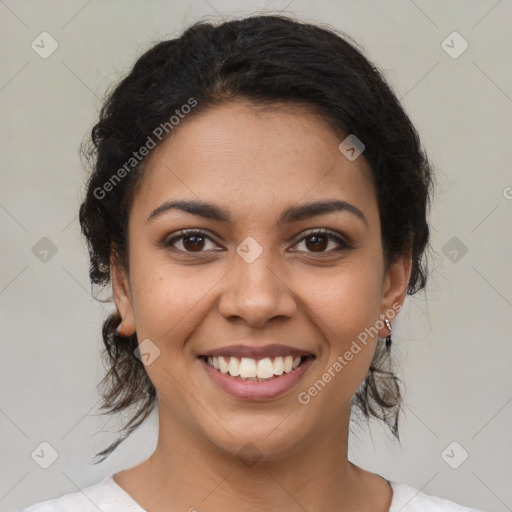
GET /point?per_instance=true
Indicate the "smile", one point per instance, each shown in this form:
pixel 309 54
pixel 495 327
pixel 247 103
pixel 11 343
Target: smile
pixel 246 368
pixel 247 378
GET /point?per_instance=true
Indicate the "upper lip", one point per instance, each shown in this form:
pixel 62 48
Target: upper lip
pixel 256 352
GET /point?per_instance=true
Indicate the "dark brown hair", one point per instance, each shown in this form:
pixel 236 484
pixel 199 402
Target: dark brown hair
pixel 264 59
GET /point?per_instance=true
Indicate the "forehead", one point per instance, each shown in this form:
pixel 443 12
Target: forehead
pixel 253 158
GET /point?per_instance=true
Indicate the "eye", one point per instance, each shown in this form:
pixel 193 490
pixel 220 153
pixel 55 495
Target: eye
pixel 317 241
pixel 191 241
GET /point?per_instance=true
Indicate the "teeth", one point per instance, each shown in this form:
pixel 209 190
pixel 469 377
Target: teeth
pixel 278 366
pixel 234 367
pixel 222 364
pixel 265 368
pixel 248 368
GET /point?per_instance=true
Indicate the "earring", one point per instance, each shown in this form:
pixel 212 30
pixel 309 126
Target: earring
pixel 388 338
pixel 118 330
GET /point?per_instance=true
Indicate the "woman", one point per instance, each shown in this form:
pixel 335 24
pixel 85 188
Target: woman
pixel 258 201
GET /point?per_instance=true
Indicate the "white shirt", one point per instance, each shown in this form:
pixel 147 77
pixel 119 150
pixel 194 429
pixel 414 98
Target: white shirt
pixel 108 496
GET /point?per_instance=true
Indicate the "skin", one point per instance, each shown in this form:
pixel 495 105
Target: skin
pixel 254 163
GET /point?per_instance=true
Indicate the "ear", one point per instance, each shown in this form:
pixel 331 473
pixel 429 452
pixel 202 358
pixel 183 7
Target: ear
pixel 394 287
pixel 122 296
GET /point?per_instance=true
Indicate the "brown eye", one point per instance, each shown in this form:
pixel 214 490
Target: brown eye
pixel 190 242
pixel 318 242
pixel 193 243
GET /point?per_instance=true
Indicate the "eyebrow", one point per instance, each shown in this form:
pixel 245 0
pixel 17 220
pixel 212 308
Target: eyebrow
pixel 291 214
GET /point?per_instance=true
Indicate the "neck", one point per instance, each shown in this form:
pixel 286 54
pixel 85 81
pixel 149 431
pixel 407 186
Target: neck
pixel 189 472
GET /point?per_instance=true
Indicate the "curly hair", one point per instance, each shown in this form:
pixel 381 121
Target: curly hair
pixel 265 59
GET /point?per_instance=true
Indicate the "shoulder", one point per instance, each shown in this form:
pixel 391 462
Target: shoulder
pixel 409 499
pixel 105 496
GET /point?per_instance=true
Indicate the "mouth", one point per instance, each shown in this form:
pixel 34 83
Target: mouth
pixel 255 370
pixel 265 375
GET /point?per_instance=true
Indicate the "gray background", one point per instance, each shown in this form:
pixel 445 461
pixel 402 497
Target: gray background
pixel 452 343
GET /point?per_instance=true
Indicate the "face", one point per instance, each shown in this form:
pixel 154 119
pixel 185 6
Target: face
pixel 258 281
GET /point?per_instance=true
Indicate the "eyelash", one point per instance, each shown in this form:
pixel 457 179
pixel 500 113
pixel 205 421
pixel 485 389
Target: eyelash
pixel 342 243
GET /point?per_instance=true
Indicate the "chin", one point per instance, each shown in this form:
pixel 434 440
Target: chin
pixel 259 436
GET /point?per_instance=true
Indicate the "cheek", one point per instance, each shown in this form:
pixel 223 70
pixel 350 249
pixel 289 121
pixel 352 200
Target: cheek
pixel 170 304
pixel 344 301
pixel 167 299
pixel 345 305
pixel 343 309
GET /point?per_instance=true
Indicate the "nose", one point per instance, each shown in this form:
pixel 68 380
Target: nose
pixel 256 293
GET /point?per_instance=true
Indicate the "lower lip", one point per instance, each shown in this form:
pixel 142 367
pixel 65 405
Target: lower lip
pixel 257 390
